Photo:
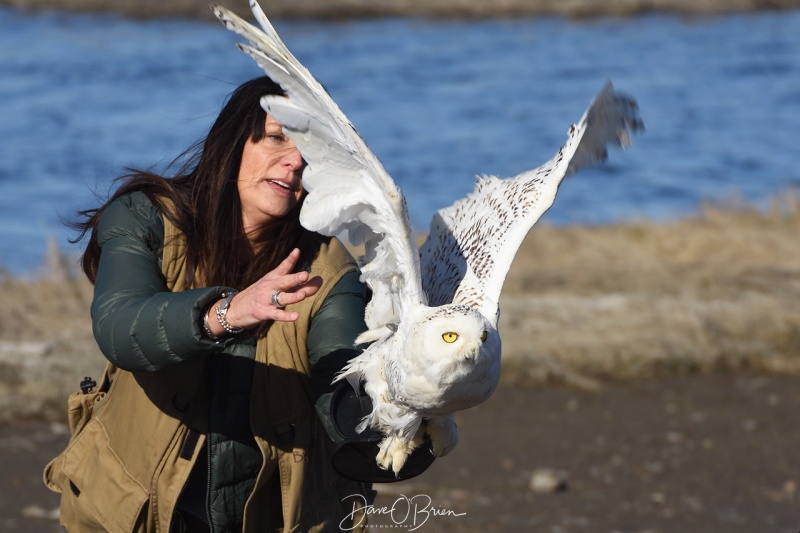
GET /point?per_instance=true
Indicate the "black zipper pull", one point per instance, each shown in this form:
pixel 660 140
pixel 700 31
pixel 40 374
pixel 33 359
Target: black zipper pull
pixel 88 385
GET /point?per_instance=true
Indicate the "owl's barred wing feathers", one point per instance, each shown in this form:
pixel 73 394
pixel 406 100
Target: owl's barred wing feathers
pixel 348 188
pixel 433 314
pixel 472 243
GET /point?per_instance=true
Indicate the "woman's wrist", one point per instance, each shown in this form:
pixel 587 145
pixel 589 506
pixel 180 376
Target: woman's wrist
pixel 215 323
pixel 211 327
pixel 221 310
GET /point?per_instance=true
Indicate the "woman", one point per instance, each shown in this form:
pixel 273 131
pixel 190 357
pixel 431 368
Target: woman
pixel 205 419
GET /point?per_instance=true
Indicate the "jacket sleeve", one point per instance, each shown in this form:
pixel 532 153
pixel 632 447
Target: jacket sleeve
pixel 331 338
pixel 333 331
pixel 138 323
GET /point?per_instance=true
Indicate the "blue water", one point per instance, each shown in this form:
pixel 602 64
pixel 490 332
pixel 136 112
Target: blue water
pixel 83 96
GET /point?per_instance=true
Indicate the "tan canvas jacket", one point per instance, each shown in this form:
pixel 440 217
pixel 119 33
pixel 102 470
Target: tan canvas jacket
pixel 135 440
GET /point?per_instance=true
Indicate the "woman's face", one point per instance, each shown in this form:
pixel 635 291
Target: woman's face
pixel 270 178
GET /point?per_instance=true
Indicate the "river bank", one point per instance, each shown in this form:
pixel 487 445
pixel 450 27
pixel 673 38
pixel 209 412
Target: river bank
pixel 340 9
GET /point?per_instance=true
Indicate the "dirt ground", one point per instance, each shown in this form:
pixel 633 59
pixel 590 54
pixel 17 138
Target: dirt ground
pixel 688 454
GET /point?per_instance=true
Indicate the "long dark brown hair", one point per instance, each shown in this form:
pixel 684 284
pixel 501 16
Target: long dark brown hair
pixel 206 199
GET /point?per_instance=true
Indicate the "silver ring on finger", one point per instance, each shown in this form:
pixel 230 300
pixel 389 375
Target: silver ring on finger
pixel 275 300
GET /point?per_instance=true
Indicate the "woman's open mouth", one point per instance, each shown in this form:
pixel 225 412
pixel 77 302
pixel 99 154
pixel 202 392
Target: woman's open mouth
pixel 280 186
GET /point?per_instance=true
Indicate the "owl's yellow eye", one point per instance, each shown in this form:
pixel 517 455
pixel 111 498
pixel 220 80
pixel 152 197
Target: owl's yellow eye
pixel 450 337
pixel 484 336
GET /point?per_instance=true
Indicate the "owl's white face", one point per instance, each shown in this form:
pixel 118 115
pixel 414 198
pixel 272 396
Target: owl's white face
pixel 454 332
pixel 450 360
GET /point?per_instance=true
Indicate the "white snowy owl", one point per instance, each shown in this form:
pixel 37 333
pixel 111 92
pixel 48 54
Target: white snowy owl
pixel 433 315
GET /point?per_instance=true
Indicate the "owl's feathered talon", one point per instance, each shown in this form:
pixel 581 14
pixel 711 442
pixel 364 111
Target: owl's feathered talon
pixel 394 450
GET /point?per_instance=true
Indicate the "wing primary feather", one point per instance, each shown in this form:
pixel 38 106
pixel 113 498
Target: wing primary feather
pixel 338 157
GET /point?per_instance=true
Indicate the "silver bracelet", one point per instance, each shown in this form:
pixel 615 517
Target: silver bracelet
pixel 207 329
pixel 222 310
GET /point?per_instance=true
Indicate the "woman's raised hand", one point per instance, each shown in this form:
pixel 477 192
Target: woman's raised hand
pixel 255 305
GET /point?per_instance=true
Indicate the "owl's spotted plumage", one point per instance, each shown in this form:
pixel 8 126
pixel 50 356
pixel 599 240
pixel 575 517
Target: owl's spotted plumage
pixel 433 315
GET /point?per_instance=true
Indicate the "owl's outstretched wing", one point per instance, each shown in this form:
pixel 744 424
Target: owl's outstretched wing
pixel 472 243
pixel 348 188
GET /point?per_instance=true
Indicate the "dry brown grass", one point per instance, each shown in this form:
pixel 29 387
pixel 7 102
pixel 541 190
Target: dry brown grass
pixel 46 346
pixel 716 292
pixel 719 291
